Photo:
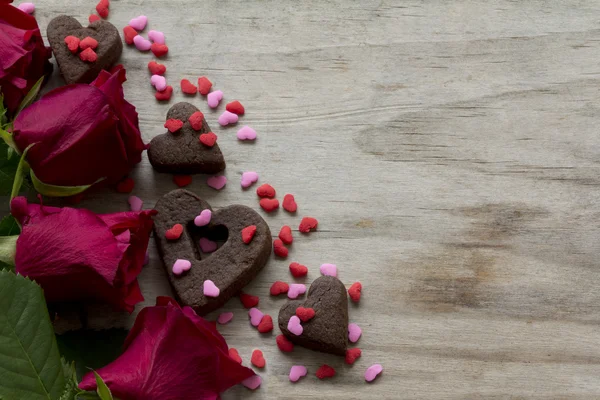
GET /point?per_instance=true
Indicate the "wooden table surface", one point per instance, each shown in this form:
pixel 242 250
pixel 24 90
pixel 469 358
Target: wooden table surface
pixel 449 150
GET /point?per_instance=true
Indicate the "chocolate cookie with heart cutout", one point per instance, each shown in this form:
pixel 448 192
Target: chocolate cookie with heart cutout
pixel 72 67
pixel 182 152
pixel 327 331
pixel 230 267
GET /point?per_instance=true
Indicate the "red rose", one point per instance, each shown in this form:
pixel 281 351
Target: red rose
pixel 171 354
pixel 23 56
pixel 76 255
pixel 83 133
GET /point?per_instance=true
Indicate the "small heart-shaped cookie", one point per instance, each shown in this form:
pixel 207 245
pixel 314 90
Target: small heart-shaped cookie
pixel 184 153
pixel 72 67
pixel 327 330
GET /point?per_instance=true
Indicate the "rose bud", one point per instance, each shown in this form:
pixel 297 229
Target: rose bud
pixel 76 255
pixel 171 353
pixel 83 134
pixel 23 56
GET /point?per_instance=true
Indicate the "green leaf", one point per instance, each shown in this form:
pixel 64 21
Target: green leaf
pixel 8 248
pixel 87 396
pixel 3 110
pixel 31 95
pixel 9 226
pixel 22 170
pixel 8 169
pixel 70 391
pixel 30 365
pixel 102 390
pixel 8 139
pixel 10 152
pixel 57 191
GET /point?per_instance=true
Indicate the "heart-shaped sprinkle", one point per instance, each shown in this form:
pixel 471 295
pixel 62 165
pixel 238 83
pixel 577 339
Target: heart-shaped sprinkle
pixel 355 291
pixel 352 355
pixel 235 107
pixel 298 270
pixel 156 36
pixel 135 203
pixel 307 224
pixel 165 95
pixel 182 180
pixel 294 326
pixel 181 266
pixel 88 43
pixel 217 182
pixel 28 8
pixel 328 269
pixel 203 218
pixel 196 120
pixel 129 33
pixel 265 190
pixel 284 344
pixel 289 203
pixel 279 287
pixel 246 133
pixel 188 87
pixel 296 289
pixel 126 185
pixel 266 324
pixel 102 8
pixel 88 55
pixel 354 332
pixel 156 68
pixel 269 205
pixel 173 125
pixel 372 372
pixel 207 245
pixel 138 23
pixel 285 234
pixel 159 50
pixel 210 289
pixel 159 82
pixel 248 233
pixel 225 318
pixel 253 382
pixel 141 43
pixel 279 248
pixel 305 314
pixel 248 300
pixel 233 354
pixel 248 178
pixel 213 98
pixel 175 232
pixel 93 18
pixel 72 43
pixel 204 85
pixel 255 316
pixel 258 359
pixel 208 139
pixel 297 372
pixel 325 371
pixel 227 117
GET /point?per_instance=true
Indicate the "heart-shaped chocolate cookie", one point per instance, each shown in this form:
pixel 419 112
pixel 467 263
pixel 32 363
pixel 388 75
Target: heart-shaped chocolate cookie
pixel 327 331
pixel 72 67
pixel 181 152
pixel 230 267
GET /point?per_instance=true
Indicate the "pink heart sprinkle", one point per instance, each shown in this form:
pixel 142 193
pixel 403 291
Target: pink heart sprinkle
pixel 138 23
pixel 180 266
pixel 142 44
pixel 255 316
pixel 328 269
pixel 295 290
pixel 372 372
pixel 294 326
pixel 159 82
pixel 135 203
pixel 157 37
pixel 297 372
pixel 248 178
pixel 246 133
pixel 227 118
pixel 28 8
pixel 354 332
pixel 210 289
pixel 225 318
pixel 217 182
pixel 253 382
pixel 207 245
pixel 214 98
pixel 204 218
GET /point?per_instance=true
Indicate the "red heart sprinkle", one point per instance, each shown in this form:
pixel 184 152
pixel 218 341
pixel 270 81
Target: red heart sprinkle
pixel 156 68
pixel 208 139
pixel 93 18
pixel 298 270
pixel 266 324
pixel 165 94
pixel 88 43
pixel 182 180
pixel 305 314
pixel 196 120
pixel 289 203
pixel 126 185
pixel 307 224
pixel 102 8
pixel 325 371
pixel 159 50
pixel 248 300
pixel 352 355
pixel 269 205
pixel 248 233
pixel 279 248
pixel 355 291
pixel 188 87
pixel 233 354
pixel 129 33
pixel 204 85
pixel 284 344
pixel 258 360
pixel 173 125
pixel 279 287
pixel 265 190
pixel 285 234
pixel 235 107
pixel 72 43
pixel 175 232
pixel 88 55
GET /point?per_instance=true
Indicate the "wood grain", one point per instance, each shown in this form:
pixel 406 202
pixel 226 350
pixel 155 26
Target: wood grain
pixel 450 152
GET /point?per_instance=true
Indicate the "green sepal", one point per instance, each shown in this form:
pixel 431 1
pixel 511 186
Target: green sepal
pixel 22 170
pixel 55 190
pixel 30 96
pixel 102 390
